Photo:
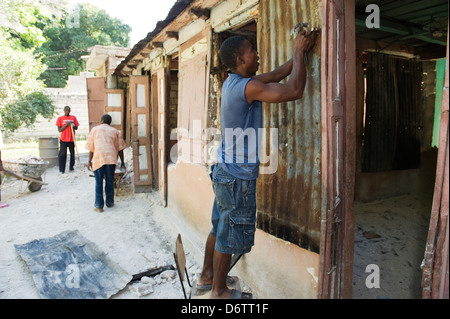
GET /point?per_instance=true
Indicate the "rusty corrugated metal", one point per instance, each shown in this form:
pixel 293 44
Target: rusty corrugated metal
pixel 392 125
pixel 380 121
pixel 289 201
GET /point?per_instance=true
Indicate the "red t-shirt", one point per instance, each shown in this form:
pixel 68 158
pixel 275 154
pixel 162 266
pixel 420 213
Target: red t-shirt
pixel 66 135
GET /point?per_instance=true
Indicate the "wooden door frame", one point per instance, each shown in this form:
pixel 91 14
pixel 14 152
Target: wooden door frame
pixel 154 128
pixel 163 134
pixel 335 281
pixel 121 108
pixel 135 139
pixel 96 98
pixel 435 280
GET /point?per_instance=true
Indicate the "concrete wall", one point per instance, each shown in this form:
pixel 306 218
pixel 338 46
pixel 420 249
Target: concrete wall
pixel 74 95
pixel 274 268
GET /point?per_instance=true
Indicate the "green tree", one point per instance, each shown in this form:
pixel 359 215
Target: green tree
pixel 72 36
pixel 19 70
pixel 21 92
pixel 21 20
pixel 35 34
pixel 25 111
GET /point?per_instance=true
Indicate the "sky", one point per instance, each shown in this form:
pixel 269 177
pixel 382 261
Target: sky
pixel 140 15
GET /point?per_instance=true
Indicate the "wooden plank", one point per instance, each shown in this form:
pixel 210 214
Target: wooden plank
pixel 140 130
pixel 96 100
pixel 435 280
pixel 338 150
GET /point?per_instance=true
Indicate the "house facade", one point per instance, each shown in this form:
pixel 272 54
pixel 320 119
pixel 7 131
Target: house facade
pixel 166 101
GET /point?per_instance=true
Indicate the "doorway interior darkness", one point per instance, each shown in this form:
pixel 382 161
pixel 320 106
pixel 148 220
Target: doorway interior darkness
pixel 396 163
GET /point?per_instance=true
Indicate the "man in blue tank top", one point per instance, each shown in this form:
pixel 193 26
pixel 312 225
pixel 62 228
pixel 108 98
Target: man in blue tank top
pixel 234 176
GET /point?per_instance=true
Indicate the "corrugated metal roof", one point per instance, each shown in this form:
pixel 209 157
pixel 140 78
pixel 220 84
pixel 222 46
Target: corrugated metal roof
pixel 415 23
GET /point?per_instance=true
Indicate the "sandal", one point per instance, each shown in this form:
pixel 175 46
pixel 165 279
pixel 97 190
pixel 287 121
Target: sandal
pixel 236 294
pixel 231 280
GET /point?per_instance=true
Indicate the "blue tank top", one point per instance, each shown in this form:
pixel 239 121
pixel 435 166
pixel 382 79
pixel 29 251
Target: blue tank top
pixel 238 153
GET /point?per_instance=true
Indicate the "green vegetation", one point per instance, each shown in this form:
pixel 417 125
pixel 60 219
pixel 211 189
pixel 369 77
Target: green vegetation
pixel 41 43
pixel 70 37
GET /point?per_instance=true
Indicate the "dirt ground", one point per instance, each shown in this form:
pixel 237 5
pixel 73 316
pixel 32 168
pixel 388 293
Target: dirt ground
pixel 390 234
pixel 130 233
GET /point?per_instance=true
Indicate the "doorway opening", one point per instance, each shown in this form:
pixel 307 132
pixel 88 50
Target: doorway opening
pixel 173 107
pixel 397 78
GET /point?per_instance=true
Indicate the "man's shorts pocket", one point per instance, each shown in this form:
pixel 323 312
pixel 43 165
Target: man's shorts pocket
pixel 224 188
pixel 242 225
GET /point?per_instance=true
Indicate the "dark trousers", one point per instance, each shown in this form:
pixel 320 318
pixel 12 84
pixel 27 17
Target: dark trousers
pixel 62 155
pixel 105 172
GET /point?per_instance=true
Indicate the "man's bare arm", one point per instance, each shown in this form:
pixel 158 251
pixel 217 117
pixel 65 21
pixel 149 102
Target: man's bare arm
pixel 276 92
pixel 277 74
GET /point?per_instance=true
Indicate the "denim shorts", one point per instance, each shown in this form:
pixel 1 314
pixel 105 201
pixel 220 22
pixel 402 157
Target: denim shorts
pixel 234 212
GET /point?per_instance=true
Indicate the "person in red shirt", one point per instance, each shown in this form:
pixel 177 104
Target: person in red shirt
pixel 66 139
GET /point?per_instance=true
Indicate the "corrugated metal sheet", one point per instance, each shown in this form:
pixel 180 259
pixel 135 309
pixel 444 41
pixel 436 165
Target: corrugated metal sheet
pixel 380 122
pixel 393 124
pixel 414 23
pixel 289 201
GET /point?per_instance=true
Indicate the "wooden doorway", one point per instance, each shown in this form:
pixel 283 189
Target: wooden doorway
pixel 162 118
pixel 140 132
pixel 435 280
pixel 96 100
pixel 338 160
pixel 102 100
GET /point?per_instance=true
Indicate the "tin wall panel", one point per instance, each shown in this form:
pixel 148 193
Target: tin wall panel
pixel 393 114
pixel 289 201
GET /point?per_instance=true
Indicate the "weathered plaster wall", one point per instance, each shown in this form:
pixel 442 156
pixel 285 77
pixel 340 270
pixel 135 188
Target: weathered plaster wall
pixel 273 269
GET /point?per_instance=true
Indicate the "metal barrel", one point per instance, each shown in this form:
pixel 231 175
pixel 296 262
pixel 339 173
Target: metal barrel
pixel 48 150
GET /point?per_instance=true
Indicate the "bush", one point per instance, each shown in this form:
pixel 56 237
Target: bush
pixel 25 111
